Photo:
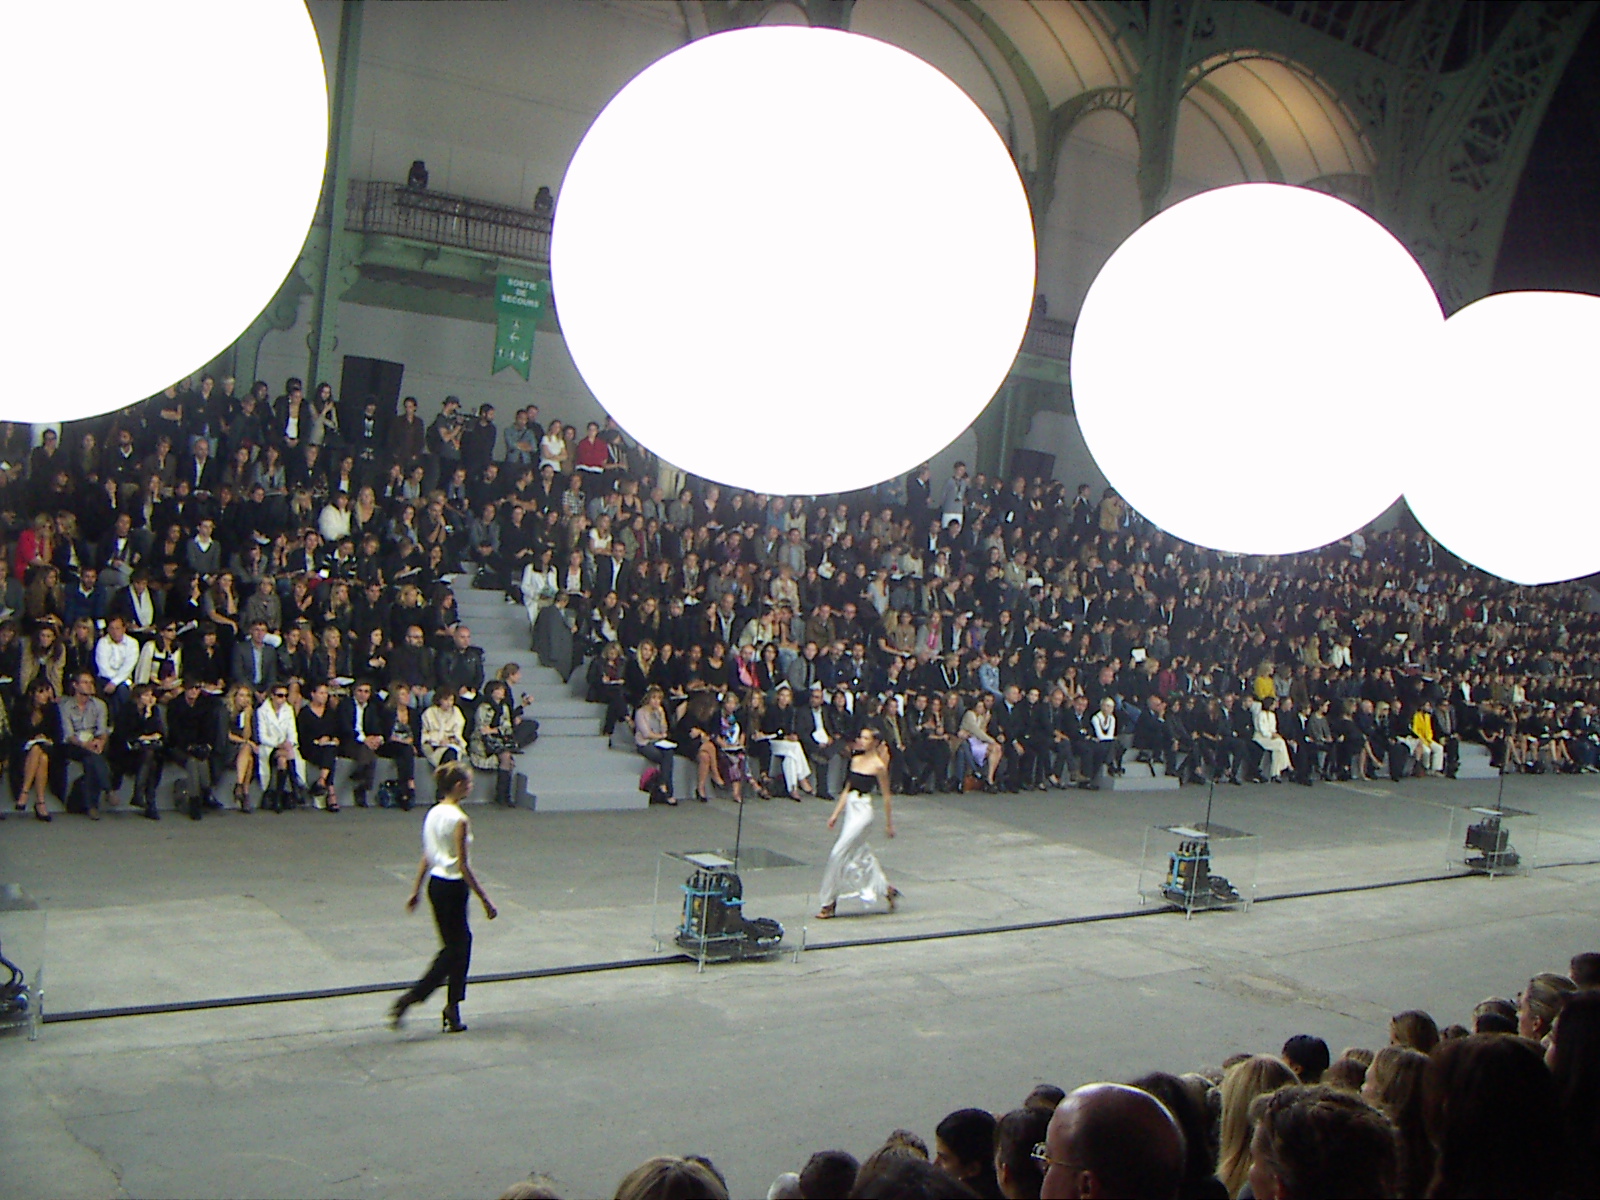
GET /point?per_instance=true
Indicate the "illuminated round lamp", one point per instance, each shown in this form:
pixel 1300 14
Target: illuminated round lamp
pixel 1514 397
pixel 165 159
pixel 792 260
pixel 1239 364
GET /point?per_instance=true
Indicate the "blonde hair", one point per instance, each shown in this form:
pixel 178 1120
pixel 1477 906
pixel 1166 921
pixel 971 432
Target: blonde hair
pixel 668 1178
pixel 1255 1076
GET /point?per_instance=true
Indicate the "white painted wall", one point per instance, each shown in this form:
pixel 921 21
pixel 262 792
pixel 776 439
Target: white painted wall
pixel 1058 434
pixel 495 97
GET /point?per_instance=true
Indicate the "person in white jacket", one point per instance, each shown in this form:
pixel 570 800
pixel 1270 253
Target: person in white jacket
pixel 279 736
pixel 538 584
pixel 1268 738
pixel 116 657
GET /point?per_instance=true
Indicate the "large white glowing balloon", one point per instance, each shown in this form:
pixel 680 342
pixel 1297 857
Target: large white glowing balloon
pixel 793 260
pixel 1240 364
pixel 164 159
pixel 1500 468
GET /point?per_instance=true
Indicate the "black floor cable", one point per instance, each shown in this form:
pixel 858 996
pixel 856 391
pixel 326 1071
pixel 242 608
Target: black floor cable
pixel 368 989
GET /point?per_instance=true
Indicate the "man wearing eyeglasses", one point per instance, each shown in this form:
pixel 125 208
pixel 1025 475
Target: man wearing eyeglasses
pixel 1108 1139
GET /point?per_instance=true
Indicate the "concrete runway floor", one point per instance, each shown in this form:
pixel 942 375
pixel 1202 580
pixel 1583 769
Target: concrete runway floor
pixel 583 1075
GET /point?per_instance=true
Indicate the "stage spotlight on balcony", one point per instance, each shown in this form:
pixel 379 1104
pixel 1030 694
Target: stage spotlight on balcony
pixel 164 163
pixel 1501 473
pixel 1241 363
pixel 792 260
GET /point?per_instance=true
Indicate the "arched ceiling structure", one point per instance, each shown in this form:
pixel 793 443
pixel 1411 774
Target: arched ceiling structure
pixel 1421 112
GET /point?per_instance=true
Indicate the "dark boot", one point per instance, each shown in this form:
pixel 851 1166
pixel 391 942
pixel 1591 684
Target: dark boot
pixel 502 789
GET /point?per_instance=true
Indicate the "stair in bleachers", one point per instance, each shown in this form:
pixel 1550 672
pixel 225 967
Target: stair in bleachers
pixel 570 767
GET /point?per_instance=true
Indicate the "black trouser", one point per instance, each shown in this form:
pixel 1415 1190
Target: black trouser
pixel 366 758
pixel 147 770
pixel 449 900
pixel 1238 753
pixel 198 765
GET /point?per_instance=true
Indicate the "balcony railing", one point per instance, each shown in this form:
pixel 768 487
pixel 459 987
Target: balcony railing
pixel 1048 338
pixel 445 220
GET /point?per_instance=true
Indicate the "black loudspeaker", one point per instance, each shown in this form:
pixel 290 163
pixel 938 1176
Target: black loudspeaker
pixel 1031 465
pixel 363 377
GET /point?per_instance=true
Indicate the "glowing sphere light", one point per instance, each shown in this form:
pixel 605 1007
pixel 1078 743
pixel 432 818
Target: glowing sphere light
pixel 793 260
pixel 164 163
pixel 1239 364
pixel 1505 434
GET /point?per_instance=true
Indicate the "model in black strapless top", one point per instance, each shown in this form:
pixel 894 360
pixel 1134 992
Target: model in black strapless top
pixel 867 785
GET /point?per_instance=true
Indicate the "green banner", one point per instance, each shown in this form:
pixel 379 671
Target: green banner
pixel 518 305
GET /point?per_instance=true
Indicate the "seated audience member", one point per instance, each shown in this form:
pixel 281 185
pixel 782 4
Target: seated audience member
pixel 1574 1060
pixel 1108 1139
pixel 1188 1100
pixel 964 1147
pixel 535 1187
pixel 1046 1096
pixel 1347 1073
pixel 1584 970
pixel 668 1178
pixel 1394 1084
pixel 1541 1003
pixel 828 1173
pixel 1414 1029
pixel 1254 1075
pixel 1016 1134
pixel 901 1177
pixel 1307 1057
pixel 86 731
pixel 1492 1110
pixel 1320 1143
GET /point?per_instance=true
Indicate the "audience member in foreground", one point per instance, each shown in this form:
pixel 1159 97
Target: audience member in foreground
pixel 669 1178
pixel 1108 1139
pixel 964 1148
pixel 1016 1134
pixel 1320 1143
pixel 1491 1107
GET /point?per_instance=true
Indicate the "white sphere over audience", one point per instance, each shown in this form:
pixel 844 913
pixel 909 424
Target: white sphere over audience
pixel 1242 364
pixel 1508 426
pixel 135 260
pixel 792 260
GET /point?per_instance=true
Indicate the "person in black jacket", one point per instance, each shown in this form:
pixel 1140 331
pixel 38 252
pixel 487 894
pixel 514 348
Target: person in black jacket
pixel 137 749
pixel 1038 738
pixel 37 762
pixel 1153 736
pixel 317 725
pixel 1009 725
pixel 364 738
pixel 191 740
pixel 460 666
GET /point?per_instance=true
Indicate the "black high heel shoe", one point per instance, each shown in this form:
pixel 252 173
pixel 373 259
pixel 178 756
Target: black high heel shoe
pixel 397 1012
pixel 452 1019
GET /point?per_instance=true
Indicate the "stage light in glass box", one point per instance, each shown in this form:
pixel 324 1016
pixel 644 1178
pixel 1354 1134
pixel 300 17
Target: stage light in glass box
pixel 1505 433
pixel 793 260
pixel 1239 359
pixel 165 160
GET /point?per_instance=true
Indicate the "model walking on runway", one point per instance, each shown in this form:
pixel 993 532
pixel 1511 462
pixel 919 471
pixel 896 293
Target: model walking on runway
pixel 853 869
pixel 446 834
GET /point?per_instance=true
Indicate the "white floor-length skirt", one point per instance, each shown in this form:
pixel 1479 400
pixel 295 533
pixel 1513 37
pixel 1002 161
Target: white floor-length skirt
pixel 853 869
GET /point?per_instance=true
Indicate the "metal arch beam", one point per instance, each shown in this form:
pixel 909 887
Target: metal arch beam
pixel 1062 120
pixel 1447 195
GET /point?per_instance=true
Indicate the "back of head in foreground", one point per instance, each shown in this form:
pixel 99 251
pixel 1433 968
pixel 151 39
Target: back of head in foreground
pixel 828 1173
pixel 903 1177
pixel 1491 1110
pixel 1321 1143
pixel 1108 1139
pixel 669 1178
